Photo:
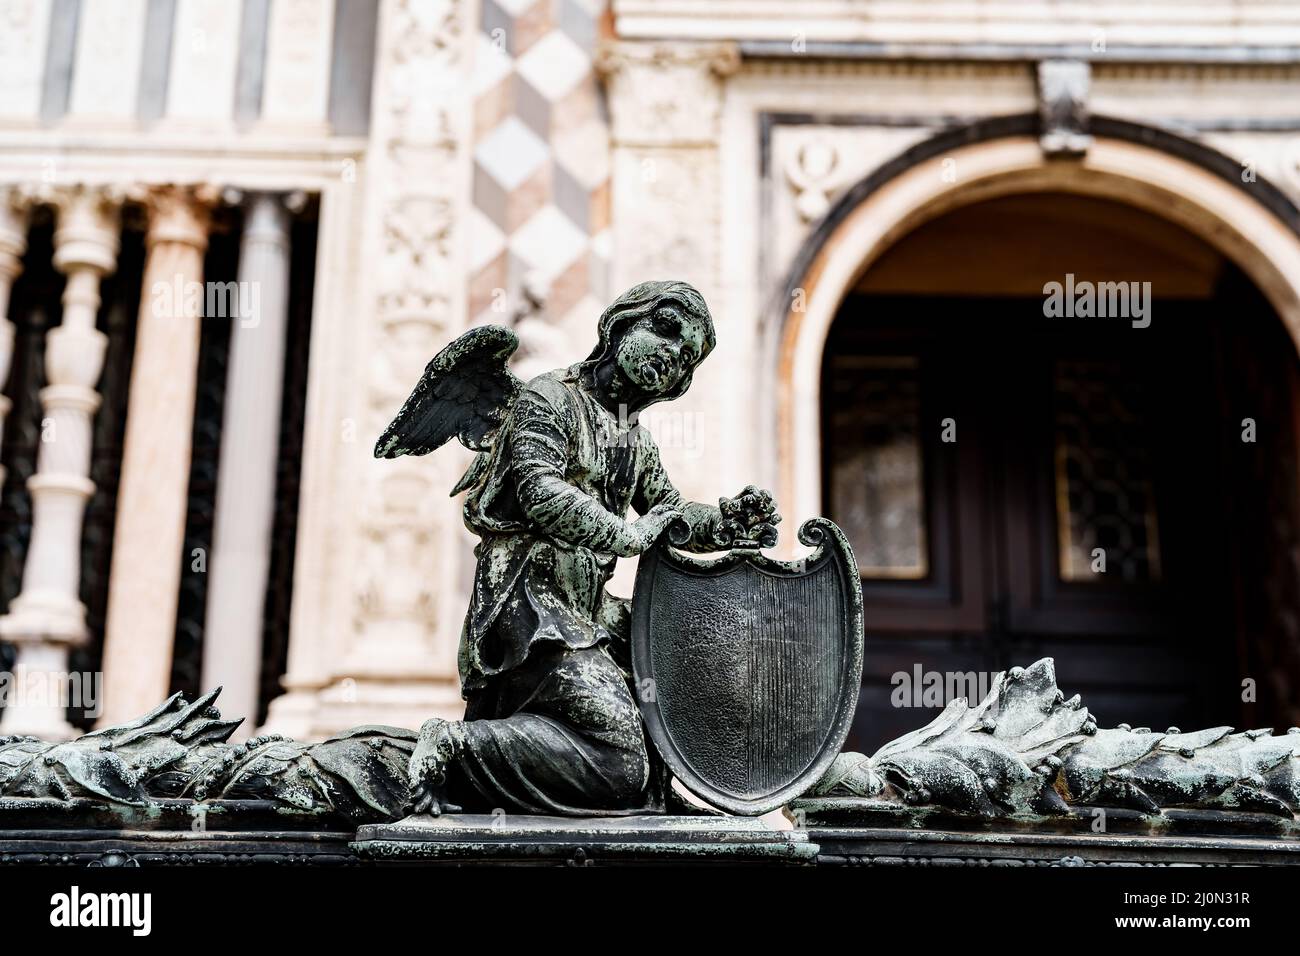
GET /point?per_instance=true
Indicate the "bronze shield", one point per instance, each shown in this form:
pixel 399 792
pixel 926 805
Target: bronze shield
pixel 747 668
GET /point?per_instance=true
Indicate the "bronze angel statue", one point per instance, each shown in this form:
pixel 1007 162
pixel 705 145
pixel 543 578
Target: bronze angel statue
pixel 551 722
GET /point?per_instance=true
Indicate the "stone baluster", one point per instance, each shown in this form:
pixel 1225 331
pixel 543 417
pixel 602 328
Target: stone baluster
pixel 47 617
pixel 250 439
pixel 13 243
pixel 153 490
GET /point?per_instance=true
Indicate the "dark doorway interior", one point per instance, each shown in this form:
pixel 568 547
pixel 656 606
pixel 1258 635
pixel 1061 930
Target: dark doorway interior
pixel 1018 486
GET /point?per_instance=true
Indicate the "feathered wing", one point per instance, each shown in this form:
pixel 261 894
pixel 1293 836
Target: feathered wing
pixel 465 392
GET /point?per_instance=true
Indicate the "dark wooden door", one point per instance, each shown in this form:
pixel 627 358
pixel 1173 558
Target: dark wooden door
pixel 1020 487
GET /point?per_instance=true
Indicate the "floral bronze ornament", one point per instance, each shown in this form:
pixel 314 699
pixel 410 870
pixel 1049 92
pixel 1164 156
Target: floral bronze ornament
pixel 1028 752
pixel 177 753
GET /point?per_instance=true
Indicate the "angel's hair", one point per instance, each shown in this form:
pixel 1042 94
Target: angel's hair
pixel 640 301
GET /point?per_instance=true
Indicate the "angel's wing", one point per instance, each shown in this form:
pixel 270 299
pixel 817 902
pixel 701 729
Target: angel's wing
pixel 465 392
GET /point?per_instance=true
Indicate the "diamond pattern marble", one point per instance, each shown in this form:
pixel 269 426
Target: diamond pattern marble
pixel 541 183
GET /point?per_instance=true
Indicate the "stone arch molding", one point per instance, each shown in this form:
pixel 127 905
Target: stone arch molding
pixel 1253 223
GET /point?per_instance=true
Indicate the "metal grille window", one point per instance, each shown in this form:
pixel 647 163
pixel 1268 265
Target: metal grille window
pixel 1104 504
pixel 876 466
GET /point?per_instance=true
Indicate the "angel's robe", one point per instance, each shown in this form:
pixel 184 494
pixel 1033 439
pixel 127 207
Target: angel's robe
pixel 551 723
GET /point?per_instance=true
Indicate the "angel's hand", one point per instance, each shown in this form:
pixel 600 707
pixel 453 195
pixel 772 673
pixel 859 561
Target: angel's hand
pixel 431 798
pixel 648 529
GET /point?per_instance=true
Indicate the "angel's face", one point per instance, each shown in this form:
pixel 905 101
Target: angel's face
pixel 661 348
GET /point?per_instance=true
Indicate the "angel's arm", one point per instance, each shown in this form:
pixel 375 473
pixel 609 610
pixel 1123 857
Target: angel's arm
pixel 655 488
pixel 747 520
pixel 539 443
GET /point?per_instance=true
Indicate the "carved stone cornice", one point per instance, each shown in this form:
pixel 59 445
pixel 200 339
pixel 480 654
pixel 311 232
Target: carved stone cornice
pixel 15 202
pixel 89 224
pixel 16 197
pixel 1168 25
pixel 1202 73
pixel 666 94
pixel 722 59
pixel 1063 87
pixel 833 69
pixel 178 213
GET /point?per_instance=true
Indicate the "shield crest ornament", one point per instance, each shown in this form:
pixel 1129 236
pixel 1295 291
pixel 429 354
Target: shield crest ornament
pixel 747 668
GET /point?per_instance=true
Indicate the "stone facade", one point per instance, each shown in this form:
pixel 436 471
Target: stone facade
pixel 523 162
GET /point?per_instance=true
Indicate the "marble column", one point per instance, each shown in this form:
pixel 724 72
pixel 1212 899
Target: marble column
pixel 250 439
pixel 152 493
pixel 47 617
pixel 13 243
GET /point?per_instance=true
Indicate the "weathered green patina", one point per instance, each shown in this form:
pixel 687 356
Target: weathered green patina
pixel 178 752
pixel 1027 753
pixel 551 724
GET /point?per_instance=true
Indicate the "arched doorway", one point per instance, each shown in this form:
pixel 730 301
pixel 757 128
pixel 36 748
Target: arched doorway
pixel 1023 485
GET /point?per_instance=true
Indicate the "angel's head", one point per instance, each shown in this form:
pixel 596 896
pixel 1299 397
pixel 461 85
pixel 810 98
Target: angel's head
pixel 651 340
